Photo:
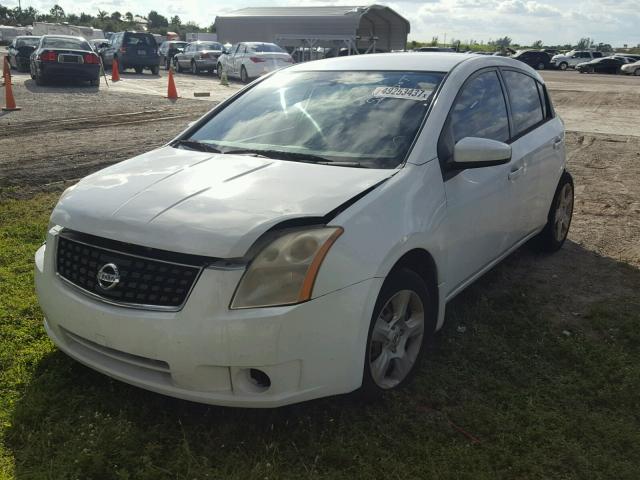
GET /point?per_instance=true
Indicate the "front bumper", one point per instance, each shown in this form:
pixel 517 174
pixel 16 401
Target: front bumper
pixel 204 352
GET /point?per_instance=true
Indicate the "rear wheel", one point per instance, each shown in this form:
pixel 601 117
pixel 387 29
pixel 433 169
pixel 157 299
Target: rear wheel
pixel 39 79
pixel 563 66
pixel 541 66
pixel 138 70
pixel 219 70
pixel 556 230
pixel 243 75
pixel 155 70
pixel 194 68
pixel 95 82
pixel 176 66
pixel 402 322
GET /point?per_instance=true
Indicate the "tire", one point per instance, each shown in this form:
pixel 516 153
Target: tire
pixel 385 366
pixel 219 70
pixel 177 66
pixel 636 72
pixel 121 67
pixel 138 70
pixel 155 70
pixel 563 66
pixel 554 234
pixel 541 66
pixel 95 82
pixel 194 68
pixel 244 77
pixel 39 80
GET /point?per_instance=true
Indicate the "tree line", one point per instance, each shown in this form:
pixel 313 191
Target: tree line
pixel 108 22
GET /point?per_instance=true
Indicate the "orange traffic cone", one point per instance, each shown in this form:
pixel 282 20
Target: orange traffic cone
pixel 6 70
pixel 115 71
pixel 172 93
pixel 8 91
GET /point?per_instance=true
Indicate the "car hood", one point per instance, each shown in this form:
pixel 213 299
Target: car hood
pixel 202 203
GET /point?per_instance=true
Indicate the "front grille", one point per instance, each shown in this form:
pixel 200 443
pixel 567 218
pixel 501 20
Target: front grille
pixel 140 280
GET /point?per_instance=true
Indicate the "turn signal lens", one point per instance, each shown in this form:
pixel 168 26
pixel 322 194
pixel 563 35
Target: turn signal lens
pixel 284 272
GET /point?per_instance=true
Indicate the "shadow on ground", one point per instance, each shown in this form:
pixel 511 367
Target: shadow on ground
pixel 535 375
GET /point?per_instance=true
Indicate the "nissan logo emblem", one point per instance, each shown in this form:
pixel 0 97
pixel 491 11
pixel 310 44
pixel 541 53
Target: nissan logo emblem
pixel 108 276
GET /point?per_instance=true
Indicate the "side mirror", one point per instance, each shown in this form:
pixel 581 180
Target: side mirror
pixel 472 152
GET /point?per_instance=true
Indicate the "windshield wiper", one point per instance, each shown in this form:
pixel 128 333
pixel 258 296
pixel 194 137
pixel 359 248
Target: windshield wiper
pixel 296 156
pixel 196 145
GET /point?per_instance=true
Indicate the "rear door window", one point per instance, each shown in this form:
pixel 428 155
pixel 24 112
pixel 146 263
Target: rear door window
pixel 526 108
pixel 140 40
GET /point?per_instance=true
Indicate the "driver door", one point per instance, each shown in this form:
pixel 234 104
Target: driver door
pixel 480 201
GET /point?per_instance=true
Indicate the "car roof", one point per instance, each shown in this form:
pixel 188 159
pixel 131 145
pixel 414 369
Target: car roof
pixel 407 61
pixel 65 36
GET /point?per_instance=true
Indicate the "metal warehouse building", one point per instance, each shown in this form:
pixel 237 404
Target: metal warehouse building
pixel 370 28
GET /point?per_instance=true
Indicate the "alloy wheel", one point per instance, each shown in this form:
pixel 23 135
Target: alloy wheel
pixel 396 339
pixel 564 210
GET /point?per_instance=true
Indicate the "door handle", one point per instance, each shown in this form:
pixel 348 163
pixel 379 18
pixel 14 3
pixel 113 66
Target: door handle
pixel 514 174
pixel 557 142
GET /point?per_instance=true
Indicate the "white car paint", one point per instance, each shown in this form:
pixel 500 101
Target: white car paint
pixel 631 68
pixel 256 64
pixel 573 58
pixel 204 204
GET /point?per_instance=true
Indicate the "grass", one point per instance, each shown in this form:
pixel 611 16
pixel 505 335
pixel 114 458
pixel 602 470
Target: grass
pixel 510 395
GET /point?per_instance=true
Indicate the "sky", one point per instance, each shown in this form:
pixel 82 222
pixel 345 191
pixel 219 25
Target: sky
pixel 616 22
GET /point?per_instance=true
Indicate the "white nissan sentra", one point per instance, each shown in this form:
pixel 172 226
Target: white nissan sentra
pixel 303 238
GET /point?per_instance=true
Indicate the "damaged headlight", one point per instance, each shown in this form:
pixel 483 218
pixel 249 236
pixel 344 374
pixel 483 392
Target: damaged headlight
pixel 284 271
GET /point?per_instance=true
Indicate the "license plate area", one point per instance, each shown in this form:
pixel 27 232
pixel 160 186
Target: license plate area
pixel 64 58
pixel 142 52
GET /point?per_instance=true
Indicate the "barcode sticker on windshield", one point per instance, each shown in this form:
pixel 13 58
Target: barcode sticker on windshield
pixel 397 92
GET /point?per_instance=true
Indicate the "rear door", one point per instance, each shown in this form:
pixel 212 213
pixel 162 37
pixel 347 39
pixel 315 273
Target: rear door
pixel 537 149
pixel 238 58
pixel 480 204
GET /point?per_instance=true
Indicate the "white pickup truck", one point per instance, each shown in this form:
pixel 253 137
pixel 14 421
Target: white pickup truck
pixel 573 58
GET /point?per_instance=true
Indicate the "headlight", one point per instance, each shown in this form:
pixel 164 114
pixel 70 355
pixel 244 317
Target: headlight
pixel 283 273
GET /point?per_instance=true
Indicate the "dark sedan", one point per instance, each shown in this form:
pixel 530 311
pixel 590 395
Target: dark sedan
pixel 603 65
pixel 20 50
pixel 65 57
pixel 168 49
pixel 534 58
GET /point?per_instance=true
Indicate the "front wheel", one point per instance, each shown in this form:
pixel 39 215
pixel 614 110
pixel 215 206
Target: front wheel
pixel 563 66
pixel 555 232
pixel 402 322
pixel 637 72
pixel 176 66
pixel 541 66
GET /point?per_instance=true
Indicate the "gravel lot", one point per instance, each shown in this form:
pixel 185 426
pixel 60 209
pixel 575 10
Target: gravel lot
pixel 64 133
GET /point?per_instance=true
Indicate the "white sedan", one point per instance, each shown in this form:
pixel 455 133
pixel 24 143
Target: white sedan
pixel 250 60
pixel 631 68
pixel 303 238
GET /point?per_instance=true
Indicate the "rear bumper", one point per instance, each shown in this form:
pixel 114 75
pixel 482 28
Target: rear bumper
pixel 132 62
pixel 207 63
pixel 81 72
pixel 204 352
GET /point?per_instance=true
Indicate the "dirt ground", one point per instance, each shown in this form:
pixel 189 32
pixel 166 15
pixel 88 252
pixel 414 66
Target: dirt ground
pixel 63 134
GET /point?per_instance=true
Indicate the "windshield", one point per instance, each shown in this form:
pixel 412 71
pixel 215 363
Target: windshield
pixel 364 118
pixel 68 43
pixel 265 47
pixel 140 39
pixel 28 42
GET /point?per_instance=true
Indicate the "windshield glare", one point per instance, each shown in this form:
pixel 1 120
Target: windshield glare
pixel 366 117
pixel 265 47
pixel 28 42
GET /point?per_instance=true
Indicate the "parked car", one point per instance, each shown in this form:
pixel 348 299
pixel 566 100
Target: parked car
pixel 573 58
pixel 99 44
pixel 631 68
pixel 249 60
pixel 534 58
pixel 19 51
pixel 168 49
pixel 64 57
pixel 302 239
pixel 603 65
pixel 137 50
pixel 198 56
